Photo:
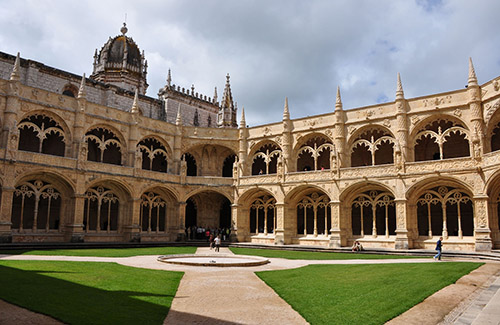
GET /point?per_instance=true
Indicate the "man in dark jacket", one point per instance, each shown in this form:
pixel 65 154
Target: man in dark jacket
pixel 438 248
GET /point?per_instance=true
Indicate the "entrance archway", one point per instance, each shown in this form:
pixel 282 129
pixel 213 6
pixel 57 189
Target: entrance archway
pixel 208 209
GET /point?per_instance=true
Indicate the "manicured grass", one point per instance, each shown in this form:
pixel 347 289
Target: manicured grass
pixel 89 292
pixel 106 252
pixel 300 255
pixel 361 294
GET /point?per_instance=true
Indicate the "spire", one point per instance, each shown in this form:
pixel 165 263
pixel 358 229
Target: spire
pixel 15 75
pixel 178 120
pixel 135 105
pixel 243 123
pixel 338 100
pixel 169 78
pixel 81 92
pixel 399 90
pixel 227 97
pixel 215 95
pixel 286 112
pixel 472 75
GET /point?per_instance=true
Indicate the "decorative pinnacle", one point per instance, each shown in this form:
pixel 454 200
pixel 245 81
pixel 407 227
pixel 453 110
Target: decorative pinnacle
pixel 286 112
pixel 15 75
pixel 472 74
pixel 399 90
pixel 135 105
pixel 243 123
pixel 338 100
pixel 124 29
pixel 178 120
pixel 215 95
pixel 169 78
pixel 81 92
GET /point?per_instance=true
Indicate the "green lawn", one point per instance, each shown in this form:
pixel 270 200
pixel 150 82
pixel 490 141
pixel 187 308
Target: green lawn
pixel 361 294
pixel 106 252
pixel 300 255
pixel 89 292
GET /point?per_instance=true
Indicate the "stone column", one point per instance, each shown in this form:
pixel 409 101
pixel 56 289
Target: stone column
pixel 240 223
pixel 279 233
pixel 73 231
pixel 5 214
pixel 181 221
pixel 402 241
pixel 335 233
pixel 482 232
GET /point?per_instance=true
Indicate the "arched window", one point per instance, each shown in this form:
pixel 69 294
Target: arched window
pixel 39 133
pixel 441 140
pixel 153 215
pixel 154 155
pixel 103 146
pixel 262 216
pixel 36 206
pixel 373 147
pixel 373 213
pixel 101 210
pixel 190 164
pixel 70 91
pixel 313 215
pixel 445 211
pixel 227 167
pixel 495 138
pixel 265 160
pixel 315 154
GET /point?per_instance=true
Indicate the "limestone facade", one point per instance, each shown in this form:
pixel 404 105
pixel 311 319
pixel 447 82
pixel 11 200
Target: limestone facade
pixel 102 163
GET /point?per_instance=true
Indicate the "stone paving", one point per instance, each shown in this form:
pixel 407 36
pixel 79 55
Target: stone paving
pixel 235 295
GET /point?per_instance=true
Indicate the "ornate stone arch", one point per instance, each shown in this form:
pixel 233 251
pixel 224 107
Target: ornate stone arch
pixel 314 152
pixel 264 157
pixel 371 145
pixel 107 206
pixel 106 144
pixel 156 155
pixel 439 137
pixel 42 202
pixel 159 208
pixel 44 132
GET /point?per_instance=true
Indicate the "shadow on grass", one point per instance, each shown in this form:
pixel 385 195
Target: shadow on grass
pixel 79 304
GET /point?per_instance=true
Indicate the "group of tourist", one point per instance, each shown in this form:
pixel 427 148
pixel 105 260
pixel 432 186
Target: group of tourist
pixel 202 233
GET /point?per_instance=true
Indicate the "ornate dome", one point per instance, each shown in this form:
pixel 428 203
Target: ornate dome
pixel 121 63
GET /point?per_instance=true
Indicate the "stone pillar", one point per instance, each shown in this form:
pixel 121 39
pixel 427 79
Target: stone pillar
pixel 74 227
pixel 335 233
pixel 181 221
pixel 280 236
pixel 5 214
pixel 482 232
pixel 132 228
pixel 340 137
pixel 476 112
pixel 240 223
pixel 402 241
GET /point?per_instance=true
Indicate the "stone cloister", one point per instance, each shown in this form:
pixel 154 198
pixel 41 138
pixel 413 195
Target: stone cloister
pixel 395 175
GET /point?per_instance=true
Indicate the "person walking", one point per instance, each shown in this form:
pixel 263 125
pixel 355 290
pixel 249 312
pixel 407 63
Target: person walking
pixel 217 243
pixel 439 245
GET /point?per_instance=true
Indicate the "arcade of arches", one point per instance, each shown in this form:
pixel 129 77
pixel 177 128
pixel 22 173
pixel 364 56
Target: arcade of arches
pixel 395 175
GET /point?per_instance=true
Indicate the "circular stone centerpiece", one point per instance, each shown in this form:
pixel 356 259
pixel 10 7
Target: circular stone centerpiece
pixel 214 260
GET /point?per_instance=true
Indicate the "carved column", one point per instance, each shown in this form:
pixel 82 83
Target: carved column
pixel 74 225
pixel 132 227
pixel 5 214
pixel 177 149
pixel 240 223
pixel 335 233
pixel 401 120
pixel 12 107
pixel 132 142
pixel 181 221
pixel 402 241
pixel 281 235
pixel 482 232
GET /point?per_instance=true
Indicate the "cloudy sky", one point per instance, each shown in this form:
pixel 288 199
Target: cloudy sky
pixel 272 49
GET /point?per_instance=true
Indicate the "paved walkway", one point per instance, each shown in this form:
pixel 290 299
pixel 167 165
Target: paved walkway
pixel 235 295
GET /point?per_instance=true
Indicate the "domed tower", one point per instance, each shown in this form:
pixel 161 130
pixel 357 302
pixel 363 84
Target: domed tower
pixel 121 63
